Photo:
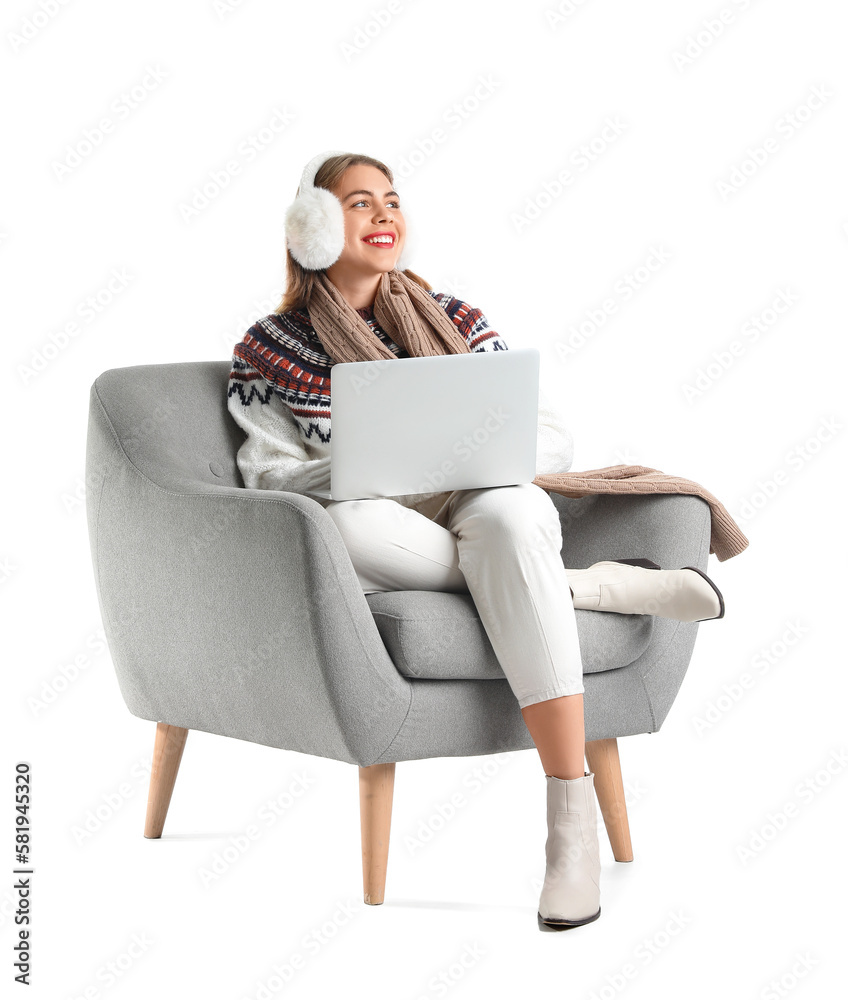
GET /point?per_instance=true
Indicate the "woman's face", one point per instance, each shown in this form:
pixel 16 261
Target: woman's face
pixel 370 207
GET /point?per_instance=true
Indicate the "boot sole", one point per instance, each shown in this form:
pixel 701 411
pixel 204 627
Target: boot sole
pixel 553 922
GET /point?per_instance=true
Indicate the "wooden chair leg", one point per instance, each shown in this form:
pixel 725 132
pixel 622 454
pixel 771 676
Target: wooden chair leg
pixel 376 789
pixel 167 754
pixel 602 758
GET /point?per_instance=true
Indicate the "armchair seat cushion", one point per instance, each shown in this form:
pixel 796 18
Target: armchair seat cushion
pixel 439 636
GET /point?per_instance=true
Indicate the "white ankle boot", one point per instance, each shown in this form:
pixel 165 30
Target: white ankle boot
pixel 640 587
pixel 571 891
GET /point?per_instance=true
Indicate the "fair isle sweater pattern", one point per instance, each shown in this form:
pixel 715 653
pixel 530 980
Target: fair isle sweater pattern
pixel 282 354
pixel 279 395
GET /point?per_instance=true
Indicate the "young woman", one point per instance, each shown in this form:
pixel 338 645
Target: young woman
pixel 347 299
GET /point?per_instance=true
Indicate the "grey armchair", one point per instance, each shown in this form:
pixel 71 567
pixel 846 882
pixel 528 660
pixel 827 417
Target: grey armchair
pixel 238 612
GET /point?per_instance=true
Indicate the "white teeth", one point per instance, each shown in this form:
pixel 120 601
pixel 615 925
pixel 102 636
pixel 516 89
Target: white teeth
pixel 381 239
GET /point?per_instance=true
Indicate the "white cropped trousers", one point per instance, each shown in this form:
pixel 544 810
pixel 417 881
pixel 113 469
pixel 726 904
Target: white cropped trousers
pixel 503 546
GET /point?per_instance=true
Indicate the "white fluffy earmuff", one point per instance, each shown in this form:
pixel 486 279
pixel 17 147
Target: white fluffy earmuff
pixel 314 222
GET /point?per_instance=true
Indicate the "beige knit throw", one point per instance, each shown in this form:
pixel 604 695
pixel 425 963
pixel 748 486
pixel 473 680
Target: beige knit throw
pixel 419 325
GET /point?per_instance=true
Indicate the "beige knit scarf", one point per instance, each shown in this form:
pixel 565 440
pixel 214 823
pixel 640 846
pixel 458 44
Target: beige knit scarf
pixel 403 309
pixel 419 325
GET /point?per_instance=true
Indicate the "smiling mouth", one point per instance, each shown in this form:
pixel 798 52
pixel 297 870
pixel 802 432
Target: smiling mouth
pixel 387 242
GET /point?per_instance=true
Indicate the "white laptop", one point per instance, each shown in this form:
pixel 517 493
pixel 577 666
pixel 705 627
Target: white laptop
pixel 428 424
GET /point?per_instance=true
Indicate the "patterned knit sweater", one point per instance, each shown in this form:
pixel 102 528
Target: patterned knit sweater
pixel 279 394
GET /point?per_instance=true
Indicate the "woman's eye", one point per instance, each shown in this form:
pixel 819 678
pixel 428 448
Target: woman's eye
pixel 363 202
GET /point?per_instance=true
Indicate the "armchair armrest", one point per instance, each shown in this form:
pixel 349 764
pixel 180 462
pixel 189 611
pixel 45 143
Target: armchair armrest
pixel 672 529
pixel 237 612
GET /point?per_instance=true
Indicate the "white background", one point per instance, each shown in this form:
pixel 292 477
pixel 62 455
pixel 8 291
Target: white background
pixel 689 125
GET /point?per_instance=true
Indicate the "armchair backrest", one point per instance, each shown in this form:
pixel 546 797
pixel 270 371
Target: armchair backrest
pixel 171 421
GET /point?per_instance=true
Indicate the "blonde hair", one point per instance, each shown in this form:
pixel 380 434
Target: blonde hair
pixel 299 281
